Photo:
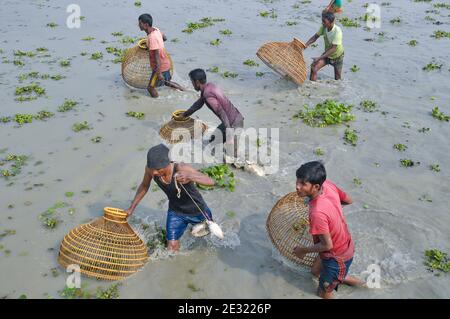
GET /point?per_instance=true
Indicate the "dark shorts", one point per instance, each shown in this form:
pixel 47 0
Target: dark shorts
pixel 238 123
pixel 332 273
pixel 338 63
pixel 154 82
pixel 176 223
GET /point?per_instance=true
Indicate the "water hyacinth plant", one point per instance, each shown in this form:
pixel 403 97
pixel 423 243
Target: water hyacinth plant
pixel 327 113
pixel 222 175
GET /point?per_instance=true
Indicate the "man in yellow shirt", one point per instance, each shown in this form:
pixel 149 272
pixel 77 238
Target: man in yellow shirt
pixel 334 50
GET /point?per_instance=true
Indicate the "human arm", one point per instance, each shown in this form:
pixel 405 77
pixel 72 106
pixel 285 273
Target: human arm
pixel 195 107
pixel 141 191
pixel 328 7
pixel 325 244
pixel 158 64
pixel 312 40
pixel 187 174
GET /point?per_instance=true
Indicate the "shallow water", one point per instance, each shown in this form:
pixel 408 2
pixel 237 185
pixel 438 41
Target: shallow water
pixel 392 231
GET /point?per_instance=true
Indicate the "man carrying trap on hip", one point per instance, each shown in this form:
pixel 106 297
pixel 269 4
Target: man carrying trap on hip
pixel 186 204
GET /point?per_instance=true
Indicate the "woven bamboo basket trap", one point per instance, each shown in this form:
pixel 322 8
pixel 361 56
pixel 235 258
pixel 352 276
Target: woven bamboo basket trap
pixel 136 70
pixel 180 128
pixel 287 226
pixel 106 248
pixel 285 58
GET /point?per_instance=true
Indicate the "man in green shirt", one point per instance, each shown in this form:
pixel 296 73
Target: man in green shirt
pixel 334 50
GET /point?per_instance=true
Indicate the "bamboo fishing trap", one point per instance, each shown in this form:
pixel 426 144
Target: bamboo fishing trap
pixel 136 69
pixel 106 248
pixel 288 227
pixel 180 128
pixel 285 58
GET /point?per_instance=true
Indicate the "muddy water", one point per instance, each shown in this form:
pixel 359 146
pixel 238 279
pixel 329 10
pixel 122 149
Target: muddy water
pixel 390 225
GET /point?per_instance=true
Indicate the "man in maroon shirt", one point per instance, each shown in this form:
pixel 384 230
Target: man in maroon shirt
pixel 217 102
pixel 332 239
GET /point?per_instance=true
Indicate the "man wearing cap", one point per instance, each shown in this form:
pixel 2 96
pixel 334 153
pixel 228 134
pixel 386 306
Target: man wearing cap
pixel 182 209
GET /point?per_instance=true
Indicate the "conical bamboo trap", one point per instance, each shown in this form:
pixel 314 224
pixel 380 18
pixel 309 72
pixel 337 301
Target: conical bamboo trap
pixel 285 58
pixel 179 127
pixel 106 248
pixel 136 69
pixel 288 227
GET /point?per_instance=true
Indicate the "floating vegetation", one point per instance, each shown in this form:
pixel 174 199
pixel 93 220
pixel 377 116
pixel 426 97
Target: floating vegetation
pixel 408 163
pixel 228 74
pixel 442 5
pixel 83 53
pixel 400 147
pixel 88 39
pixel 291 23
pixel 77 127
pixel 266 14
pixel 432 66
pixel 20 53
pixel 69 194
pixel 230 214
pixel 29 92
pixel 129 40
pixel 175 40
pixel 96 56
pixel 222 176
pixel 350 137
pixel 357 182
pixel 437 114
pixel 112 292
pixel 18 63
pixel 52 25
pixel 43 115
pixel 23 118
pixel 327 113
pixel 68 105
pixel 193 287
pixel 368 106
pixel 96 139
pixel 115 51
pixel 48 218
pixel 260 74
pixel 64 63
pixel 203 23
pixel 435 168
pixel 412 43
pixel 137 115
pixel 250 63
pixel 348 22
pixel 318 152
pixel 439 34
pixel 117 34
pixel 396 21
pixel 437 260
pixel 226 32
pixel 7 232
pixel 75 293
pixel 214 69
pixel 424 130
pixel 215 42
pixel 158 239
pixel 354 68
pixel 137 3
pixel 41 49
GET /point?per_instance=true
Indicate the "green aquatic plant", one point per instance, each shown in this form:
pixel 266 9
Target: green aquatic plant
pixel 368 106
pixel 112 292
pixel 18 63
pixel 432 66
pixel 75 293
pixel 203 23
pixel 137 115
pixel 354 68
pixel 21 119
pixel 48 218
pixel 260 74
pixel 137 3
pixel 396 20
pixel 442 5
pixel 435 168
pixel 439 34
pixel 291 23
pixel 318 152
pixel 29 92
pixel 437 114
pixel 41 49
pixel 327 113
pixel 437 260
pixel 129 40
pixel 20 53
pixel 88 39
pixel 412 43
pixel 215 42
pixel 408 163
pixel 158 239
pixel 192 287
pixel 264 14
pixel 250 62
pixel 68 105
pixel 77 127
pixel 357 182
pixel 226 32
pixel 52 25
pixel 96 139
pixel 424 130
pixel 96 56
pixel 214 69
pixel 350 137
pixel 69 194
pixel 400 147
pixel 228 74
pixel 43 115
pixel 5 119
pixel 7 232
pixel 117 34
pixel 175 40
pixel 349 23
pixel 231 214
pixel 222 176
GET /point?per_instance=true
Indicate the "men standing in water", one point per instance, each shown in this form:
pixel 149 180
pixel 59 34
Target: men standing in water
pixel 334 50
pixel 217 102
pixel 182 209
pixel 331 237
pixel 160 61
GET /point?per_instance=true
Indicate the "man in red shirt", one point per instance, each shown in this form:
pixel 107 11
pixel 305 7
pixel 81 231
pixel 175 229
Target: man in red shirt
pixel 160 61
pixel 331 237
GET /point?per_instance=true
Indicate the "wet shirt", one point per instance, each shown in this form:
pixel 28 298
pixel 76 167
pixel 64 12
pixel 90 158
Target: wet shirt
pixel 219 104
pixel 155 42
pixel 326 216
pixel 333 37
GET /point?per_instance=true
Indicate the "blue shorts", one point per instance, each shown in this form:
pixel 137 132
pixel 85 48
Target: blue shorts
pixel 332 273
pixel 155 82
pixel 176 223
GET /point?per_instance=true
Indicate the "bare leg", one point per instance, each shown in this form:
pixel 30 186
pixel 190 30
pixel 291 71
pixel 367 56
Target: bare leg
pixel 173 245
pixel 315 269
pixel 174 85
pixel 337 73
pixel 315 69
pixel 353 281
pixel 324 295
pixel 152 91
